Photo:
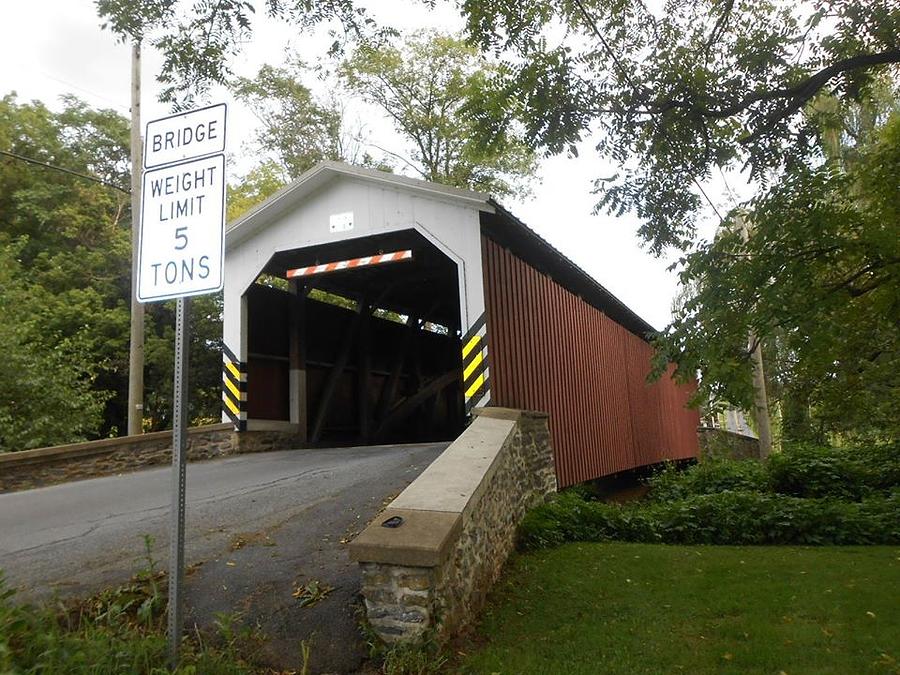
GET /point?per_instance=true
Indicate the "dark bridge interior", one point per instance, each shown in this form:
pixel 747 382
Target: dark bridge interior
pixel 374 351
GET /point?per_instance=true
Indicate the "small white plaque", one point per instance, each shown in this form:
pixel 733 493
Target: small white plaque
pixel 340 222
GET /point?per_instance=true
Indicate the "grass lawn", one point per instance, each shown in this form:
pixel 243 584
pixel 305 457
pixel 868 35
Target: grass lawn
pixel 647 608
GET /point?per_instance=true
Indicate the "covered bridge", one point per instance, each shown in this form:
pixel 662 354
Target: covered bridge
pixel 363 307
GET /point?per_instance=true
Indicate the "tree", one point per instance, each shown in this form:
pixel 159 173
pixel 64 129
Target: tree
pixel 256 186
pixel 65 284
pixel 820 278
pixel 296 131
pixel 698 86
pixel 685 92
pixel 47 394
pixel 64 246
pixel 197 39
pixel 205 350
pixel 697 93
pixel 430 88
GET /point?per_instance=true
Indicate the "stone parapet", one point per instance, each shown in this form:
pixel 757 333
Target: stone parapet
pixel 48 466
pixel 722 444
pixel 454 527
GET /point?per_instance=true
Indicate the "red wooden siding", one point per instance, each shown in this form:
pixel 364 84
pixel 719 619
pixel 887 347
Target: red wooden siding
pixel 550 350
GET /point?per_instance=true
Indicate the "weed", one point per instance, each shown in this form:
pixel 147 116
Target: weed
pixel 305 650
pixel 119 630
pixel 708 477
pixel 237 640
pixel 420 658
pixel 406 658
pixel 311 592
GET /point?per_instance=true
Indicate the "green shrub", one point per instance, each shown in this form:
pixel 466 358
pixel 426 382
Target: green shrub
pixel 707 478
pixel 811 471
pixel 845 473
pixel 800 471
pixel 729 517
pixel 882 465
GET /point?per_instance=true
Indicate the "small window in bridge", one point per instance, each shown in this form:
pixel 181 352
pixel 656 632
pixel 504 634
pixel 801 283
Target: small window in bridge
pixel 272 282
pixel 332 299
pixel 389 315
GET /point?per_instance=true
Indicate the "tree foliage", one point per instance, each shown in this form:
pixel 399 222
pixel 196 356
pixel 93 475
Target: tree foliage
pixel 682 92
pixel 432 88
pixel 819 279
pixel 205 349
pixel 253 188
pixel 47 395
pixel 296 130
pixel 777 92
pixel 65 250
pixel 198 38
pixel 679 93
pixel 65 279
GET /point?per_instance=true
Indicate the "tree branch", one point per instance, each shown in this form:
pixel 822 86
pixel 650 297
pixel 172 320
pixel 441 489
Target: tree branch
pixel 799 94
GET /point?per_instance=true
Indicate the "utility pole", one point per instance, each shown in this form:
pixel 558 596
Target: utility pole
pixel 136 348
pixel 760 399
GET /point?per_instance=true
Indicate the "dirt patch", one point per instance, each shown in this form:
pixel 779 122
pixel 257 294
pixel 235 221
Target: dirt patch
pixel 242 539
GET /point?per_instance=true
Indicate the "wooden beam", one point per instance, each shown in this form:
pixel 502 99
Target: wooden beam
pixel 389 388
pixel 435 409
pixel 411 404
pixel 297 358
pixel 334 377
pixel 416 376
pixel 364 374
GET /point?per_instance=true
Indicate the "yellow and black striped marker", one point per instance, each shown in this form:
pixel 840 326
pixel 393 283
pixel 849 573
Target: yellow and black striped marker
pixel 234 389
pixel 476 374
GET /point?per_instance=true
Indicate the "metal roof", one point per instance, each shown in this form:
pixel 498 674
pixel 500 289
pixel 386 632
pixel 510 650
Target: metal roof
pixel 497 222
pixel 506 229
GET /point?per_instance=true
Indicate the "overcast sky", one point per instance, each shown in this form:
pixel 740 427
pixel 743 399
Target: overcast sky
pixel 52 47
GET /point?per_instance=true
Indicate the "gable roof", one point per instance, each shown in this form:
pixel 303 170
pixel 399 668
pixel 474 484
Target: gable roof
pixel 497 223
pixel 291 195
pixel 508 231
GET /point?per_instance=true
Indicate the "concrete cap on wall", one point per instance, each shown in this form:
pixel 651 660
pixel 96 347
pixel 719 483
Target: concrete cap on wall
pixel 513 414
pixel 434 505
pixel 454 478
pixel 422 540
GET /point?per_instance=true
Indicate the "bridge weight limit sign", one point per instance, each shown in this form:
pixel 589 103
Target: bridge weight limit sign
pixel 180 255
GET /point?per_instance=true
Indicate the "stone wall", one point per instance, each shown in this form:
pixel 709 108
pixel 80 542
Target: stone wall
pixel 722 444
pixel 432 573
pixel 48 466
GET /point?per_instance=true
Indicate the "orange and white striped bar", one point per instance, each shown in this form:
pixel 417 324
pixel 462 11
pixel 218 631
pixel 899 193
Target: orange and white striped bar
pixel 396 256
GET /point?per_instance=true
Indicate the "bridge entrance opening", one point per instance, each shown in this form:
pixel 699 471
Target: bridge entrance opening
pixel 357 342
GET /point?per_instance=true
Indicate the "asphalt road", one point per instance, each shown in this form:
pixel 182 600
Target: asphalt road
pixel 257 527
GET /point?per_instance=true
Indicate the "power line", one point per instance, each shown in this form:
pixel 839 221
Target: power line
pixel 627 76
pixel 84 90
pixel 86 176
pixel 38 71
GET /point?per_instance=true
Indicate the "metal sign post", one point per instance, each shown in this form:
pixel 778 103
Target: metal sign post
pixel 180 254
pixel 179 461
